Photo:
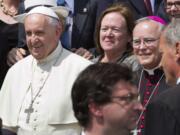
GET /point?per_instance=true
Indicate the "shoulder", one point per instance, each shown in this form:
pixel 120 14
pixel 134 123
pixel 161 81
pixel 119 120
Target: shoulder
pixel 132 61
pixel 19 71
pixel 23 63
pixel 73 58
pixel 171 93
pixel 169 98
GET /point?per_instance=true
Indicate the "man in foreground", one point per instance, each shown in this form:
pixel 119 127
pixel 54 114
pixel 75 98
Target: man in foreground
pixel 105 100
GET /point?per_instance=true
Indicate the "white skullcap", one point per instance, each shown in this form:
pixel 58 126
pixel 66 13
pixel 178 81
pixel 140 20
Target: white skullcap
pixel 43 10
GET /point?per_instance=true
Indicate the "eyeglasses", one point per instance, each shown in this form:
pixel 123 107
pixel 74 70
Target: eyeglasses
pixel 147 41
pixel 129 98
pixel 169 5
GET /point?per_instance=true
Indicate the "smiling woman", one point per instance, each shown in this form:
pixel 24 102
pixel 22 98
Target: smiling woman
pixel 113 36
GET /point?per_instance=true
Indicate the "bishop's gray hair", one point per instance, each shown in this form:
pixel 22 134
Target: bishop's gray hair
pixel 172 32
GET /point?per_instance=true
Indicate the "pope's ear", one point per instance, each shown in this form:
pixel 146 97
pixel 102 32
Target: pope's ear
pixel 59 30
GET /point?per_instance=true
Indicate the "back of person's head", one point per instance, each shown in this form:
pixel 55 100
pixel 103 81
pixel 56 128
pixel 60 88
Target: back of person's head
pixel 124 10
pixel 95 84
pixel 172 32
pixel 170 51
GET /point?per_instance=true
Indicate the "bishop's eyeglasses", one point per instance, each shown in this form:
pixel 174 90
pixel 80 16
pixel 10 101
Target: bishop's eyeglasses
pixel 168 5
pixel 146 41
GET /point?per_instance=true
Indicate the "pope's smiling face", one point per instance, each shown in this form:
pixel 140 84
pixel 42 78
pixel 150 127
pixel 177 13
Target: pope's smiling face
pixel 40 35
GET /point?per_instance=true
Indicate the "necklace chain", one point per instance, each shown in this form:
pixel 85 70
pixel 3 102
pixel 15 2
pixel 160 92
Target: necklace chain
pixel 136 131
pixel 30 109
pixel 40 89
pixel 7 11
pixel 31 88
pixel 152 93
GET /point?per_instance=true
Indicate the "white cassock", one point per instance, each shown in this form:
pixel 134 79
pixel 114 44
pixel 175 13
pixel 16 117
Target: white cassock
pixel 52 80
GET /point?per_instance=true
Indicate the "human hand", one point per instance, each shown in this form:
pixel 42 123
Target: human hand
pixel 83 52
pixel 15 54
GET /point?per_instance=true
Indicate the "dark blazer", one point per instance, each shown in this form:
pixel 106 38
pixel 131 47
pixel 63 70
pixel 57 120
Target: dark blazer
pixel 146 79
pixel 86 13
pixel 0 126
pixel 154 85
pixel 8 40
pixel 138 7
pixel 7 132
pixel 163 114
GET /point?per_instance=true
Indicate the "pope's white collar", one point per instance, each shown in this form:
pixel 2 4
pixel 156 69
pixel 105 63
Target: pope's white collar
pixel 51 56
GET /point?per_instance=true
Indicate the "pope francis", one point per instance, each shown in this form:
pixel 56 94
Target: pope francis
pixel 35 96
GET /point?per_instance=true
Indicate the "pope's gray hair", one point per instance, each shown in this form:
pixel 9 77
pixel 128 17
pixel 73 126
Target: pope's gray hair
pixel 57 23
pixel 53 21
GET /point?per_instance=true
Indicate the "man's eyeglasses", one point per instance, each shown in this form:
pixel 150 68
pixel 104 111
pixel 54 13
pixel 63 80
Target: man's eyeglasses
pixel 147 41
pixel 127 98
pixel 169 5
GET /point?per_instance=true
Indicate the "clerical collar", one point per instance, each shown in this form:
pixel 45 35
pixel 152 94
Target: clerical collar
pixel 178 80
pixel 52 56
pixel 151 71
